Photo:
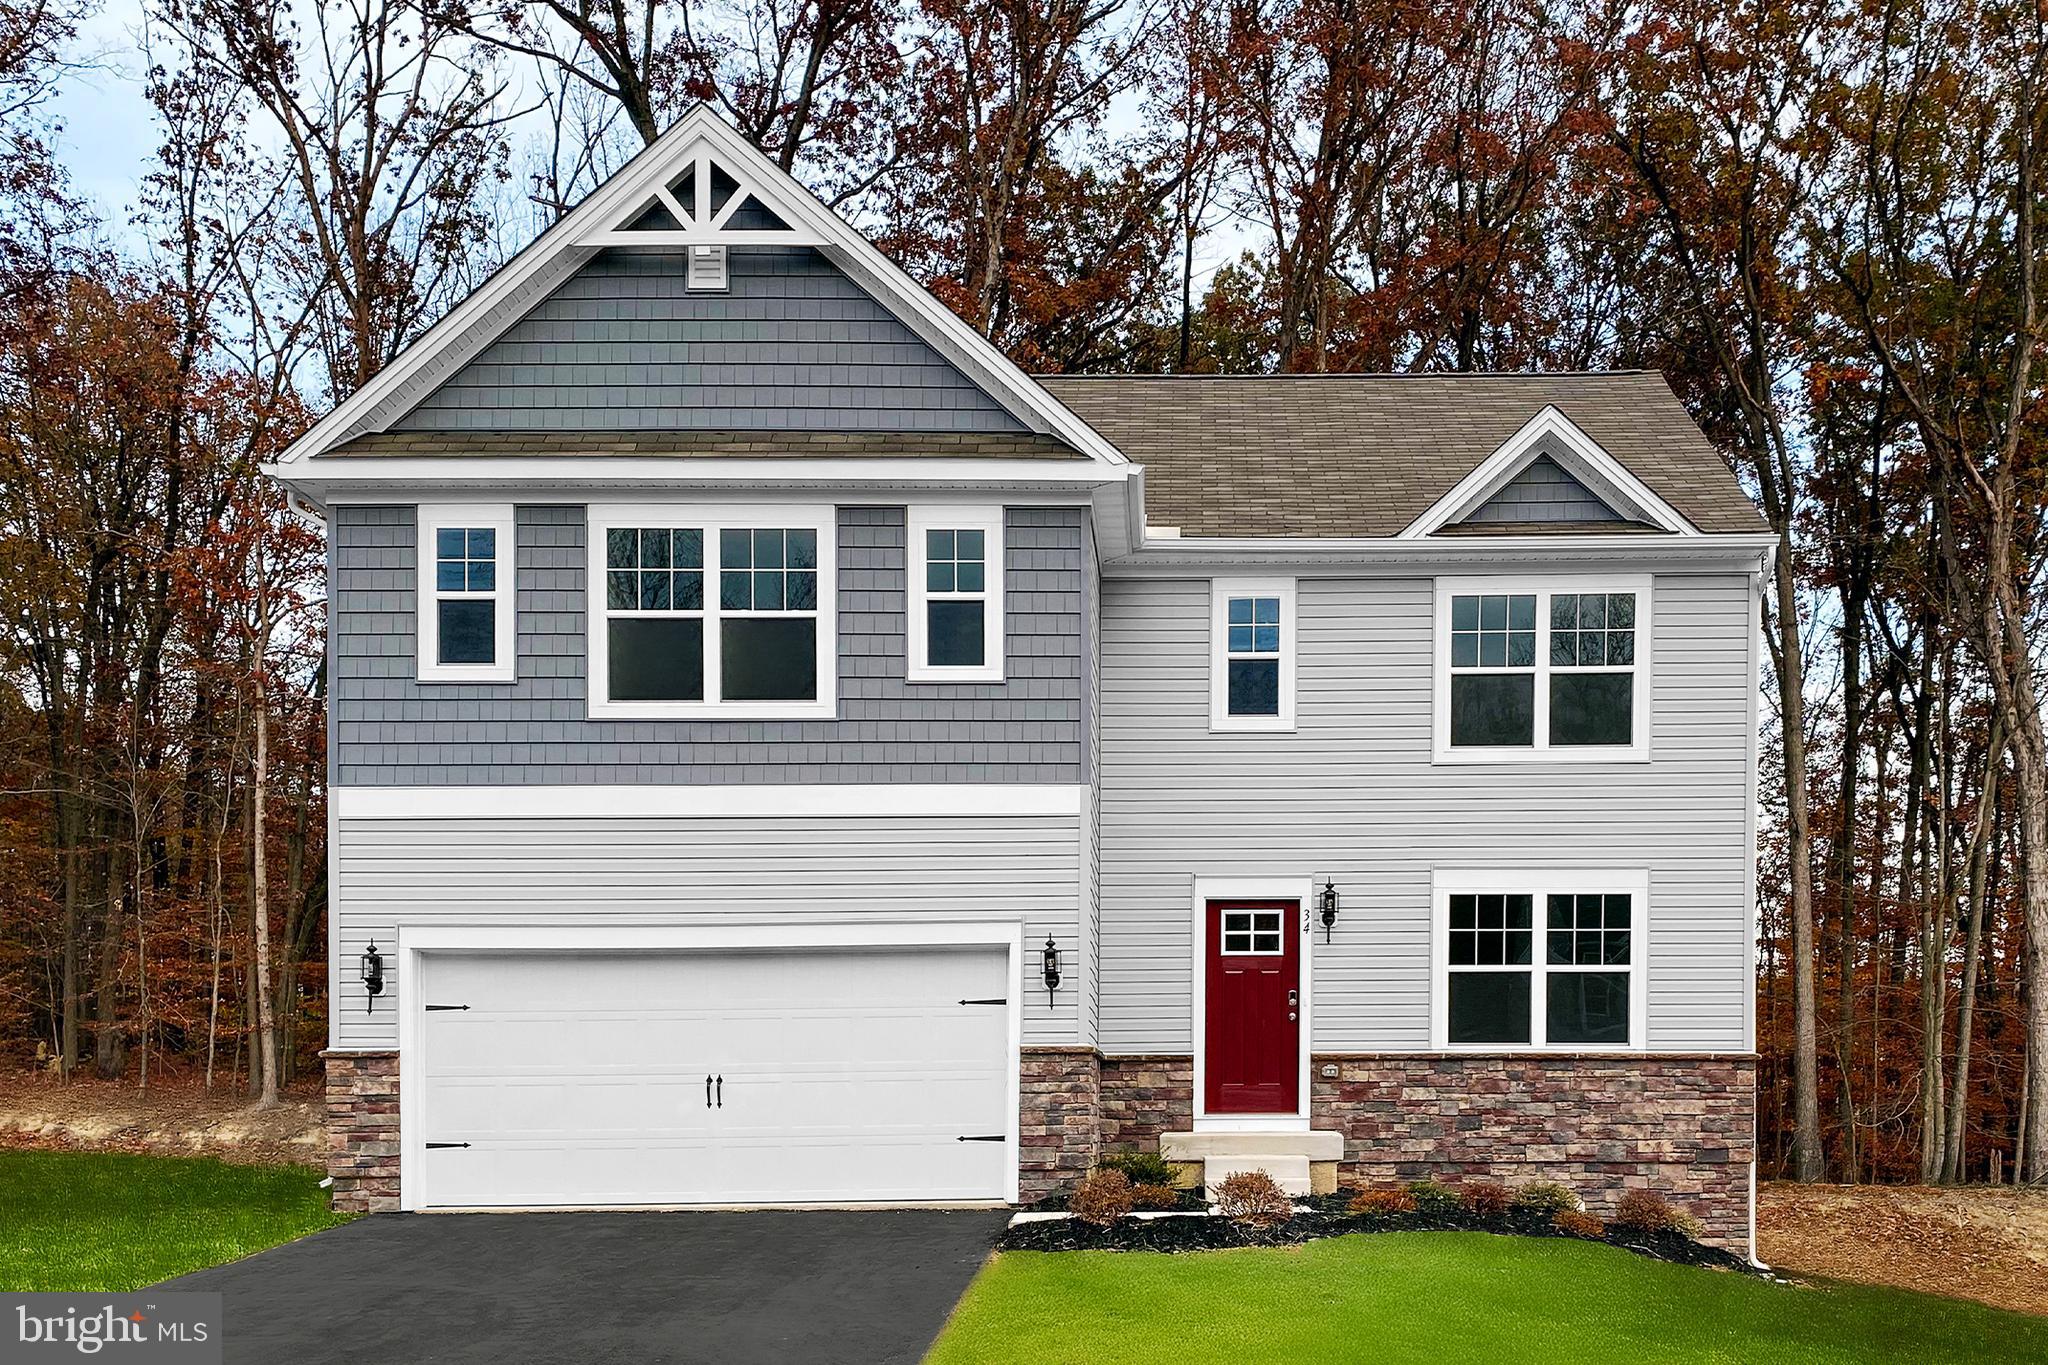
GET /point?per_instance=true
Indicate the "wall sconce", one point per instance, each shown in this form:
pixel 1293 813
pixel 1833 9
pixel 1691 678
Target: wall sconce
pixel 373 976
pixel 1329 907
pixel 1052 968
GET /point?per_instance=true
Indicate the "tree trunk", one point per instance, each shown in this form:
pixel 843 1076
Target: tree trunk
pixel 1807 1162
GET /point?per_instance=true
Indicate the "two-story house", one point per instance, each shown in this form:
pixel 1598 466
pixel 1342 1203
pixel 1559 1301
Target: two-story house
pixel 783 753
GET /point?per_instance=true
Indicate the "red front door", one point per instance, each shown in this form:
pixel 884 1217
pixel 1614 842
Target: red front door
pixel 1252 1051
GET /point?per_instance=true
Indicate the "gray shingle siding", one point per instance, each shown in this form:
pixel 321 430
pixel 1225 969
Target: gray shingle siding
pixel 793 346
pixel 1543 492
pixel 388 729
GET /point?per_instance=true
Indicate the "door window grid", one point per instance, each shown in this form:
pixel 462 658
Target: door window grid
pixel 1253 933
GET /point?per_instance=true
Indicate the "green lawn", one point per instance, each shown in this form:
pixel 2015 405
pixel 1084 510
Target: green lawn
pixel 1438 1297
pixel 93 1221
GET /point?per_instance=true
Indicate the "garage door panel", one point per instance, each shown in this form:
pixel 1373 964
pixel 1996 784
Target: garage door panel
pixel 847 1075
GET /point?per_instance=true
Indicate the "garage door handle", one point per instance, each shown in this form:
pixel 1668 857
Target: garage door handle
pixel 984 1002
pixel 707 1092
pixel 432 1145
pixel 721 1092
pixel 447 1007
pixel 987 1137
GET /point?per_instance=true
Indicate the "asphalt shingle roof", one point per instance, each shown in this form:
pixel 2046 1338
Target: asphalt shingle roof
pixel 1364 455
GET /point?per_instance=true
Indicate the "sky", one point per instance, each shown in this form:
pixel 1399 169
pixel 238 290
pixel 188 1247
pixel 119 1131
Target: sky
pixel 108 135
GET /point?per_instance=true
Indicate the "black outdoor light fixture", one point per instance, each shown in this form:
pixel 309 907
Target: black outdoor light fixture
pixel 1329 907
pixel 373 976
pixel 1052 968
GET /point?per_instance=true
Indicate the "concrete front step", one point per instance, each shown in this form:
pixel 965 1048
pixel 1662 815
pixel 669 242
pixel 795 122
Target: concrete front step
pixel 1290 1173
pixel 1299 1162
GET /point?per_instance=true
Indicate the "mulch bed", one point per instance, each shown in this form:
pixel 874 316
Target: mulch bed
pixel 1327 1216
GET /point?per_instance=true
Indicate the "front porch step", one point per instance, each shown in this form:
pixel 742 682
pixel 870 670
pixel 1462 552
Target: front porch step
pixel 1290 1173
pixel 1311 1146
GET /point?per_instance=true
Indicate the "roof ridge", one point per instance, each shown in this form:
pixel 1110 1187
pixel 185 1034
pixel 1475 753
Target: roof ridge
pixel 1056 376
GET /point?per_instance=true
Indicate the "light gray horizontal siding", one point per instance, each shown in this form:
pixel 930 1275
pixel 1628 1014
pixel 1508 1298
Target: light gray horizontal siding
pixel 702 870
pixel 387 729
pixel 794 345
pixel 1353 793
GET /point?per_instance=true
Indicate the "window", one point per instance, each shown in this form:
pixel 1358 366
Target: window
pixel 1252 933
pixel 465 594
pixel 956 594
pixel 707 613
pixel 1541 670
pixel 1252 655
pixel 1540 960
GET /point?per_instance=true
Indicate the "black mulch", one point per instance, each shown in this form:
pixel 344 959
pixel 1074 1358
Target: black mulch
pixel 1327 1217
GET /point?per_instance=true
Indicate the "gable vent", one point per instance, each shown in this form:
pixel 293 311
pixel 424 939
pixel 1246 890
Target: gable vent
pixel 707 267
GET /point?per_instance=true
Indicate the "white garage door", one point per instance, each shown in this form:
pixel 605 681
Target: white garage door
pixel 559 1079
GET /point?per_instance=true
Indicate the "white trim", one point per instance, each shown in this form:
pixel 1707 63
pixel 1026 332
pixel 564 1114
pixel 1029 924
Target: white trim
pixel 1542 587
pixel 1221 590
pixel 430 518
pixel 712 518
pixel 581 936
pixel 751 801
pixel 988 520
pixel 700 134
pixel 1538 883
pixel 672 473
pixel 1751 794
pixel 1391 557
pixel 1301 891
pixel 1584 459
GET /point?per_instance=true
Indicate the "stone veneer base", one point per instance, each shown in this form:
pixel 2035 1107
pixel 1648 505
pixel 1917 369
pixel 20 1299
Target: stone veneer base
pixel 362 1130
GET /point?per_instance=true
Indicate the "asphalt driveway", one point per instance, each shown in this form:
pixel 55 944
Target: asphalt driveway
pixel 837 1286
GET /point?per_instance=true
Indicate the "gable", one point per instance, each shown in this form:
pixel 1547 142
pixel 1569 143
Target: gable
pixel 625 345
pixel 791 345
pixel 1542 493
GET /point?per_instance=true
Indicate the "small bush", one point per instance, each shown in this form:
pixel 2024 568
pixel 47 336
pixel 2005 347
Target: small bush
pixel 1383 1203
pixel 1546 1196
pixel 1140 1168
pixel 1687 1226
pixel 1434 1199
pixel 1643 1211
pixel 1154 1197
pixel 1101 1198
pixel 1486 1199
pixel 1573 1223
pixel 1251 1198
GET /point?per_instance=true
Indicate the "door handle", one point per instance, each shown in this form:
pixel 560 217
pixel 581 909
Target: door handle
pixel 721 1092
pixel 1294 997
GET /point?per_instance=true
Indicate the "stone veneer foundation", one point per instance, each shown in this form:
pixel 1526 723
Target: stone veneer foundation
pixel 362 1130
pixel 1683 1126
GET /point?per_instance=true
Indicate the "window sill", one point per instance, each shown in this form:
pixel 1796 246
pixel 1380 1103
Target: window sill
pixel 719 710
pixel 468 673
pixel 1542 1050
pixel 926 674
pixel 1250 725
pixel 1564 757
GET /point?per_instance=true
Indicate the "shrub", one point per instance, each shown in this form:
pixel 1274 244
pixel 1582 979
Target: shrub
pixel 1434 1199
pixel 1687 1226
pixel 1486 1199
pixel 1546 1196
pixel 1141 1168
pixel 1384 1203
pixel 1573 1223
pixel 1251 1198
pixel 1151 1196
pixel 1101 1198
pixel 1642 1211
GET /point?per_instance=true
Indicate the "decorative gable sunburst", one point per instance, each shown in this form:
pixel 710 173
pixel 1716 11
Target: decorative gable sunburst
pixel 1553 438
pixel 701 189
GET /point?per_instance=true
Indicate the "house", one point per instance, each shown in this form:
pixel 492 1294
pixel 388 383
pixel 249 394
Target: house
pixel 782 753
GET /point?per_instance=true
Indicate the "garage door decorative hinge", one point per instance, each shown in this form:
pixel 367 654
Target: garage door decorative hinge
pixel 447 1007
pixel 432 1145
pixel 987 1137
pixel 985 1002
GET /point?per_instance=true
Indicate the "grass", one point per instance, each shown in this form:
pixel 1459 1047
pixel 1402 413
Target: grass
pixel 102 1222
pixel 1434 1297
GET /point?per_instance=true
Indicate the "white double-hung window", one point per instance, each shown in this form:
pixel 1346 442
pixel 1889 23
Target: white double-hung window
pixel 1251 654
pixel 465 593
pixel 711 611
pixel 1540 959
pixel 1542 669
pixel 956 594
